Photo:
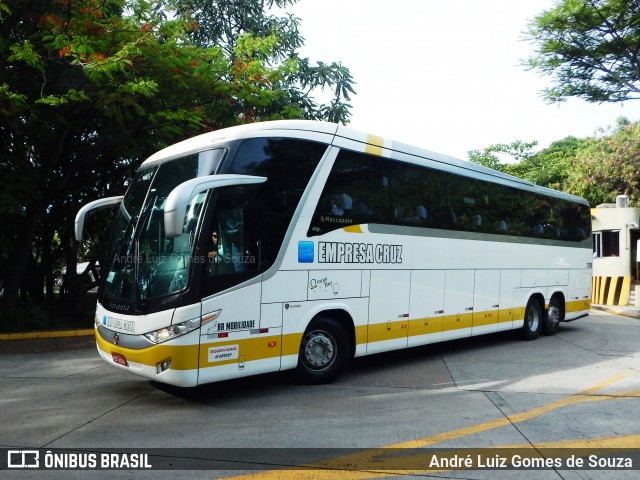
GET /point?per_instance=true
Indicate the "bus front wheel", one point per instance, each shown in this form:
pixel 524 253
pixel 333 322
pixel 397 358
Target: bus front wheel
pixel 324 351
pixel 533 317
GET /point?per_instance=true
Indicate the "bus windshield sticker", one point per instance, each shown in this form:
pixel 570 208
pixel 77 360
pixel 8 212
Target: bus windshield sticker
pixel 224 352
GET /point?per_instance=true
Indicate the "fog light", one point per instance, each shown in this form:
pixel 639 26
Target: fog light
pixel 163 365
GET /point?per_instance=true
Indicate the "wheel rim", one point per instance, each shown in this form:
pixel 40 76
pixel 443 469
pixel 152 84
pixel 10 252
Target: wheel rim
pixel 533 320
pixel 553 315
pixel 318 352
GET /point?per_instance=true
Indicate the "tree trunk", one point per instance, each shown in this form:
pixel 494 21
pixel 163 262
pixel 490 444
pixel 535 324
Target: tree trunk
pixel 18 260
pixel 74 294
pixel 47 265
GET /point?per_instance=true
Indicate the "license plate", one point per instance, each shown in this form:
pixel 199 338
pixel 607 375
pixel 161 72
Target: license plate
pixel 119 359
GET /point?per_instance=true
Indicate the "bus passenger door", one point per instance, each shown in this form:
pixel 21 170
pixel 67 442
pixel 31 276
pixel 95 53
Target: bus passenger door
pixel 427 307
pixel 388 310
pixel 486 302
pixel 458 304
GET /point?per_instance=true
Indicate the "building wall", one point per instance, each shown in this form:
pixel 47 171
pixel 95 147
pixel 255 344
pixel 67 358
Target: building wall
pixel 612 275
pixel 614 219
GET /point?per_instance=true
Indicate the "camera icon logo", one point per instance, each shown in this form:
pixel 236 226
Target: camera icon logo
pixel 23 459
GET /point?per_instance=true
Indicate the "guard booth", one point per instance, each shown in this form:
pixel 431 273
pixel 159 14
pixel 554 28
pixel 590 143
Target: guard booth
pixel 616 234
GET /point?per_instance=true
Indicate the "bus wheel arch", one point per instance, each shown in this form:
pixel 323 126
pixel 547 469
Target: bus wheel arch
pixel 326 347
pixel 554 314
pixel 534 315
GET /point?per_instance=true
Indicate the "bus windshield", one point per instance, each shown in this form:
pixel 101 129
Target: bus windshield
pixel 143 263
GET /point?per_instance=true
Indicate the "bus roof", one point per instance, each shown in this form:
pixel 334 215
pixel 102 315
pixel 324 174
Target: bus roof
pixel 341 134
pixel 210 139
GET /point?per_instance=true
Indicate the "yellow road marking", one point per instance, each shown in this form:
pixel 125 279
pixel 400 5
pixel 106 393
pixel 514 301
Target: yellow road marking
pixel 384 462
pixel 85 332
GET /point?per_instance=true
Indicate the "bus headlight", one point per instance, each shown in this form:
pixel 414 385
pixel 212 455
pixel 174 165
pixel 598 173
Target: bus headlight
pixel 173 331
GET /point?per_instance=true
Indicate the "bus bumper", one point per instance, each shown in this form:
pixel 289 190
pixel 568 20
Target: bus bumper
pixel 174 362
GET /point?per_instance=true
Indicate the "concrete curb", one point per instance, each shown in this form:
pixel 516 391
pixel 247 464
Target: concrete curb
pixel 625 312
pixel 47 334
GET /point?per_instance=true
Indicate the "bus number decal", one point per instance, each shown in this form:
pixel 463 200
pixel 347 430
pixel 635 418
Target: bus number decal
pixel 119 323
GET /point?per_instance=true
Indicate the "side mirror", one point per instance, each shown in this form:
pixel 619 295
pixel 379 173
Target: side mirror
pixel 175 207
pixel 95 205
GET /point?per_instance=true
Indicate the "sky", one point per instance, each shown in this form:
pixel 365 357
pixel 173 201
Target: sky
pixel 446 75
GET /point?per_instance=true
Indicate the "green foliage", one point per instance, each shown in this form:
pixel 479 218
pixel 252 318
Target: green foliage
pixel 590 47
pixel 224 22
pixel 71 95
pixel 4 10
pixel 11 99
pixel 597 168
pixel 273 41
pixel 89 89
pixel 607 166
pixel 549 167
pixel 490 156
pixel 24 52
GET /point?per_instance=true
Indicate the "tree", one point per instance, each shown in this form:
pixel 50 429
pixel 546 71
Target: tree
pixel 550 167
pixel 607 166
pixel 598 168
pixel 88 89
pixel 490 157
pixel 591 49
pixel 224 23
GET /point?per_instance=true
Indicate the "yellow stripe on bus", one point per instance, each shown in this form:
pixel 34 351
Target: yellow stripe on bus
pixel 353 229
pixel 258 348
pixel 387 330
pixel 424 326
pixel 577 305
pixel 458 321
pixel 374 145
pixel 187 357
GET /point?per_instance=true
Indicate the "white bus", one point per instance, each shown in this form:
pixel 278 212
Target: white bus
pixel 299 245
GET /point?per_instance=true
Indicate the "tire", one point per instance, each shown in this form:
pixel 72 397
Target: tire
pixel 324 352
pixel 551 322
pixel 533 318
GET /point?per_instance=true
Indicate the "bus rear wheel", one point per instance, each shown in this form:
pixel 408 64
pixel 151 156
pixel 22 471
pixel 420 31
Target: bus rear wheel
pixel 533 317
pixel 553 317
pixel 324 352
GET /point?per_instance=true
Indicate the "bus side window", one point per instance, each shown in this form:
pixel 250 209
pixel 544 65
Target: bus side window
pixel 412 190
pixel 356 192
pixel 232 243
